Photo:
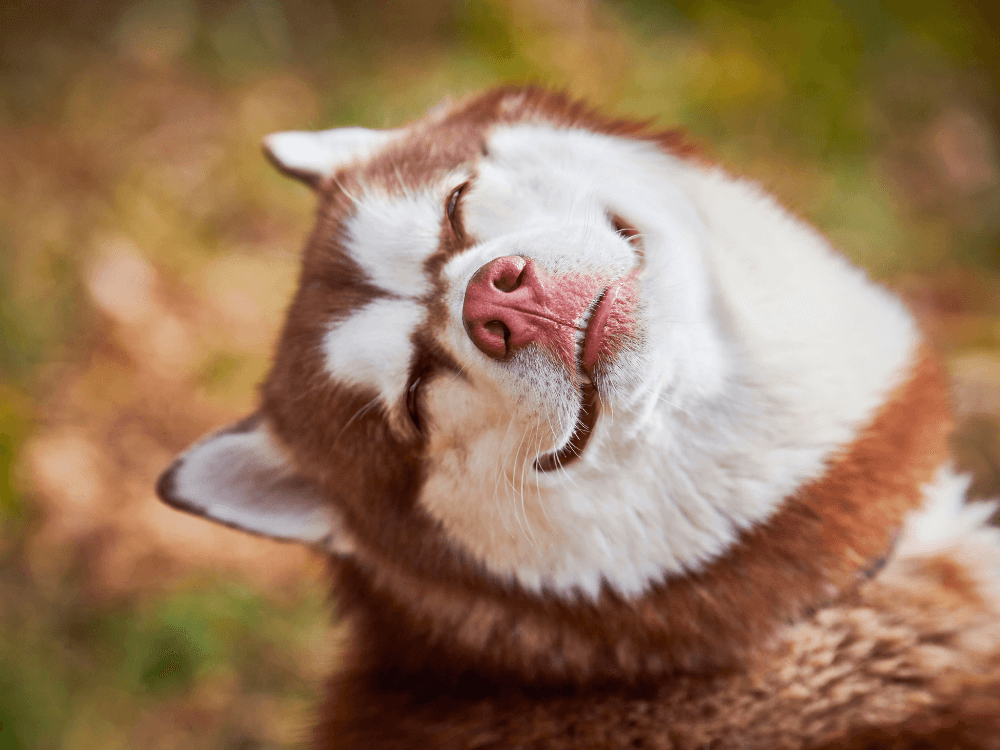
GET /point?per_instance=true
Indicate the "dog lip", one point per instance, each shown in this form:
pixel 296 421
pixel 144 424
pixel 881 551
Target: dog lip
pixel 593 330
pixel 572 449
pixel 590 401
pixel 595 335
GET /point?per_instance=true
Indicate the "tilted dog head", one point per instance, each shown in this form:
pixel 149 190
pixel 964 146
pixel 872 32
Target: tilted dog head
pixel 558 358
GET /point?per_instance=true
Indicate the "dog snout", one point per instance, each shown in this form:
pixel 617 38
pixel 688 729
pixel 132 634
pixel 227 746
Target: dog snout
pixel 506 307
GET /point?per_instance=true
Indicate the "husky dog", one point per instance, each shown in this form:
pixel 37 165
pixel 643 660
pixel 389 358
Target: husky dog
pixel 607 450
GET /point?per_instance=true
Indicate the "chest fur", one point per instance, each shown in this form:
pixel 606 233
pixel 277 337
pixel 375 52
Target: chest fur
pixel 909 659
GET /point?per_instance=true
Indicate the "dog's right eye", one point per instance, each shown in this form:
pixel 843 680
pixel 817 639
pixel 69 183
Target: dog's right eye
pixel 454 211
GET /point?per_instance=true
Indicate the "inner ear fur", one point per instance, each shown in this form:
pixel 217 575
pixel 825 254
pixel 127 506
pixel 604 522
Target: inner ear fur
pixel 241 477
pixel 311 156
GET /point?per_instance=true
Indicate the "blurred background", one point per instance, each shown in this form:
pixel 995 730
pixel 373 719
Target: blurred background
pixel 147 252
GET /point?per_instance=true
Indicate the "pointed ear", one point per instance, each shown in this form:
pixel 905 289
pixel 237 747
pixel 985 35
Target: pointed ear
pixel 310 156
pixel 239 477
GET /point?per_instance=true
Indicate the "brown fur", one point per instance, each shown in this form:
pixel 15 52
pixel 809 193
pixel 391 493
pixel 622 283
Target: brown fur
pixel 876 670
pixel 704 661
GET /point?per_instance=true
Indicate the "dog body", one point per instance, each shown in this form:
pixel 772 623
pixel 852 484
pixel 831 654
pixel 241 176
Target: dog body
pixel 607 450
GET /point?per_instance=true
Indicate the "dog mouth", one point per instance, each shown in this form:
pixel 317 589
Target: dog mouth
pixel 589 341
pixel 572 450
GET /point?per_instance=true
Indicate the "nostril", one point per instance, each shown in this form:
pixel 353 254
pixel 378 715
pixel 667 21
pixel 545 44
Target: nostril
pixel 503 302
pixel 492 338
pixel 505 274
pixel 511 278
pixel 499 330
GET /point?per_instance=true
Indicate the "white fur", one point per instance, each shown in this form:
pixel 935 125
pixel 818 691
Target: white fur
pixel 945 516
pixel 243 480
pixel 763 353
pixel 948 525
pixel 319 154
pixel 372 347
pixel 391 237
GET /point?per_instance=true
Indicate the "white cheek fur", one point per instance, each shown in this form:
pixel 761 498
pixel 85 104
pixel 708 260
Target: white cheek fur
pixel 373 347
pixel 392 237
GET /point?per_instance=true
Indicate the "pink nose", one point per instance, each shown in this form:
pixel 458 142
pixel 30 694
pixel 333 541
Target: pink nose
pixel 506 307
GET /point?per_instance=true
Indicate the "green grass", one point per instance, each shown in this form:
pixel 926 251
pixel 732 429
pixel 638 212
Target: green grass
pixel 76 672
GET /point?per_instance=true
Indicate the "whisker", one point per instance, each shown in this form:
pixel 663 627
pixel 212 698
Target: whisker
pixel 663 397
pixel 500 472
pixel 344 190
pixel 524 468
pixel 538 485
pixel 399 178
pixel 513 488
pixel 363 410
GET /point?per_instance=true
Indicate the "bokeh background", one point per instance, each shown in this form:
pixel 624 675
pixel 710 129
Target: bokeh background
pixel 147 251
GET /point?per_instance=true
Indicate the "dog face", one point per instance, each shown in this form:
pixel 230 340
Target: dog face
pixel 548 348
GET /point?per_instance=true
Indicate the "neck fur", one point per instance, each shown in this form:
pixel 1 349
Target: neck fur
pixel 818 545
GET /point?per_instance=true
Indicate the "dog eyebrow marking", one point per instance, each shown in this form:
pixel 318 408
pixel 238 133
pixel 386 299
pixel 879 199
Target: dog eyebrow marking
pixel 390 237
pixel 372 346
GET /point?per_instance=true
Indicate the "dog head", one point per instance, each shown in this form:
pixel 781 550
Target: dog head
pixel 548 351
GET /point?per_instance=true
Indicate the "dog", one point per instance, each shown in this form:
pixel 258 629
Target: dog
pixel 606 450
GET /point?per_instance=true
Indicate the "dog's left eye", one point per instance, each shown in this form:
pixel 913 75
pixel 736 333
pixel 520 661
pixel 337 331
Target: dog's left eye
pixel 413 402
pixel 454 212
pixel 624 229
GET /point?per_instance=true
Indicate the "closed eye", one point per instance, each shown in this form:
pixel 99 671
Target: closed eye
pixel 625 230
pixel 631 235
pixel 413 403
pixel 454 210
pixel 430 363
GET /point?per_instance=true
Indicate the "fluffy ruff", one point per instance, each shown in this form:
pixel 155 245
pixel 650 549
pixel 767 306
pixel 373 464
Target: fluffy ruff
pixel 908 659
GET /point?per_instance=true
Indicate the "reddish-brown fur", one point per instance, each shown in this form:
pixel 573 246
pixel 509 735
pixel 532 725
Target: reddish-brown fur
pixel 739 654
